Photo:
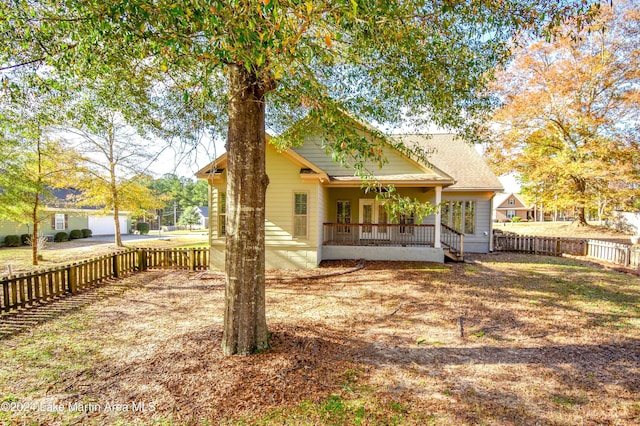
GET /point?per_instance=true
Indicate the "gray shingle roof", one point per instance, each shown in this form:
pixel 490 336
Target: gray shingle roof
pixel 456 158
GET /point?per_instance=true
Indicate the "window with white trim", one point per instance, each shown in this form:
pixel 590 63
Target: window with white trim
pixel 60 222
pixel 222 214
pixel 300 214
pixel 459 215
pixel 343 209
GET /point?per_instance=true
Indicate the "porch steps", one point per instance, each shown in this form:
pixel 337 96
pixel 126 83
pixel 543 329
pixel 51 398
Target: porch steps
pixel 453 255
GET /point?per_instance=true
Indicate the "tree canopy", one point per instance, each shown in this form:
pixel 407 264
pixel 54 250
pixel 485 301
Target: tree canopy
pixel 32 161
pixel 240 66
pixel 189 217
pixel 348 54
pixel 180 192
pixel 570 120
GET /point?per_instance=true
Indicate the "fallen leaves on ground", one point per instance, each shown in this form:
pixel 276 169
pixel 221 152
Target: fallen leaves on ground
pixel 546 341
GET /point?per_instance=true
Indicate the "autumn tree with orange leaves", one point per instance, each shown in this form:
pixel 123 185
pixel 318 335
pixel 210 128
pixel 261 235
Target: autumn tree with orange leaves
pixel 569 120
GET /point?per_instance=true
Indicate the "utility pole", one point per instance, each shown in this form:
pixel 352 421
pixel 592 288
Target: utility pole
pixel 175 213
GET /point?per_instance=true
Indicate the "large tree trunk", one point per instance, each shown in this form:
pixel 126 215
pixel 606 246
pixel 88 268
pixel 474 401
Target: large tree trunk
pixel 245 324
pixel 581 218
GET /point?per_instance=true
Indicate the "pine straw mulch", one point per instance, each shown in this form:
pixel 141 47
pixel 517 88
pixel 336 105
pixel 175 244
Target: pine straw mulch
pixel 546 341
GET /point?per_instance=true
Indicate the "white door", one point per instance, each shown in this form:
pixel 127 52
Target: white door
pixel 372 212
pixel 103 225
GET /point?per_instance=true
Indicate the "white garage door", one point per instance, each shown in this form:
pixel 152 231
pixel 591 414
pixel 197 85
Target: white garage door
pixel 103 225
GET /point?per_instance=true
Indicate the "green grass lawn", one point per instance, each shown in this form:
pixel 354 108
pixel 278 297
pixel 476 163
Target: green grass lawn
pixel 56 254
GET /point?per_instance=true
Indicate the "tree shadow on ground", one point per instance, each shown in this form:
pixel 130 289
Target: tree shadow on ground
pixel 188 379
pixel 352 336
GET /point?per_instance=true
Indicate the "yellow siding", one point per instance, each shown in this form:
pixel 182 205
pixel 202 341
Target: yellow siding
pixel 214 211
pixel 284 181
pixel 283 250
pixel 313 151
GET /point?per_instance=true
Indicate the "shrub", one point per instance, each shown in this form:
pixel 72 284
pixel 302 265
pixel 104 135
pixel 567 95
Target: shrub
pixel 12 241
pixel 41 241
pixel 86 233
pixel 75 234
pixel 25 238
pixel 60 237
pixel 516 219
pixel 143 228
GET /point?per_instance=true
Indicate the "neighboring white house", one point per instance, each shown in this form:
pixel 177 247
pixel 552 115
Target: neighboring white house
pixel 625 222
pixel 316 209
pixel 203 214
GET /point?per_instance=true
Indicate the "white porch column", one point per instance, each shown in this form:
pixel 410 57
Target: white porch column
pixel 438 218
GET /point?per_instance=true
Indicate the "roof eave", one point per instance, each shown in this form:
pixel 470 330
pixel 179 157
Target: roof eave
pixel 474 189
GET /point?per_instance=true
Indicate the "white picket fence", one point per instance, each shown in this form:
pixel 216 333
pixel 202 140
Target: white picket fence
pixel 619 254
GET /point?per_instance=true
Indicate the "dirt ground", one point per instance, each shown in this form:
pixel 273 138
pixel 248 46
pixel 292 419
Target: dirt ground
pixel 545 341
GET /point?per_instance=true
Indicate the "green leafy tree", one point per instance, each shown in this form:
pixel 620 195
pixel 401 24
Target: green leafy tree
pixel 114 158
pixel 189 217
pixel 235 63
pixel 179 192
pixel 31 161
pixel 569 124
pixel 197 193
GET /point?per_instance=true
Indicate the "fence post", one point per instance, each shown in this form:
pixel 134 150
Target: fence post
pixel 142 259
pixel 115 257
pixel 72 281
pixel 5 295
pixel 192 260
pixel 627 256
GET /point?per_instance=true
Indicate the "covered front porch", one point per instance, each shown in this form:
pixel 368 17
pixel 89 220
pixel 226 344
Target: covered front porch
pixel 391 241
pixel 359 226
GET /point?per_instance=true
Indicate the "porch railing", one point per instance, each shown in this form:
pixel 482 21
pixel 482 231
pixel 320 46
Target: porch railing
pixel 452 239
pixel 390 234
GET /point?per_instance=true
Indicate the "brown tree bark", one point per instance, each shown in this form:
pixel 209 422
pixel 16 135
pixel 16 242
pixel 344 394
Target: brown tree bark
pixel 580 214
pixel 245 325
pixel 36 206
pixel 116 211
pixel 34 234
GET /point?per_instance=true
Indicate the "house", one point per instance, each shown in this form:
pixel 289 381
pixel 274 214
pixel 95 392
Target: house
pixel 317 210
pixel 203 214
pixel 60 215
pixel 509 205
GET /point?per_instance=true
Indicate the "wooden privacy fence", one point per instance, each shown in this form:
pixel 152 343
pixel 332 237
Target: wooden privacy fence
pixel 25 290
pixel 552 246
pixel 616 253
pixel 194 259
